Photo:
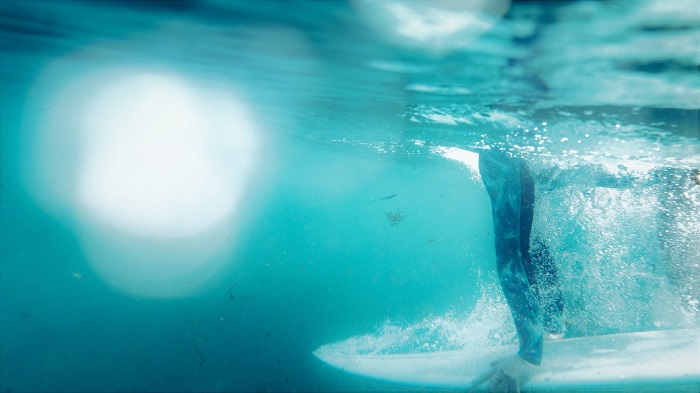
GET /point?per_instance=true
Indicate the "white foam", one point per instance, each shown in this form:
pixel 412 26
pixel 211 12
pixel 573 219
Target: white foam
pixel 488 324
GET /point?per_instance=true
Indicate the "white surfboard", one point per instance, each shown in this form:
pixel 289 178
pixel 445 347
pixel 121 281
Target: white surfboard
pixel 668 359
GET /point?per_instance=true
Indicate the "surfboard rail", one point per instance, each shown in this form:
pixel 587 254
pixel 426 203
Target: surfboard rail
pixel 631 360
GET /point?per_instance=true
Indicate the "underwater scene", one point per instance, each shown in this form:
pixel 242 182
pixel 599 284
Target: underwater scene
pixel 213 195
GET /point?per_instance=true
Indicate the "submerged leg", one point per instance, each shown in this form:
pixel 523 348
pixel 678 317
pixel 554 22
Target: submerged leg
pixel 501 175
pixel 527 207
pixel 537 260
pixel 550 294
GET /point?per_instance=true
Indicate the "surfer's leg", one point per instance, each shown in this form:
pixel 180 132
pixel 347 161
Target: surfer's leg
pixel 537 260
pixel 551 298
pixel 527 203
pixel 501 176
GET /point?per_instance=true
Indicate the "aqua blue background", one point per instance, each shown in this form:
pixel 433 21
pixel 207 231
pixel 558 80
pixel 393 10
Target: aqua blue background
pixel 316 260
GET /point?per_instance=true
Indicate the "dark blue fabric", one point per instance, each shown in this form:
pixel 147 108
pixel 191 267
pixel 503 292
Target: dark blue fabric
pixel 547 287
pixel 536 257
pixel 511 190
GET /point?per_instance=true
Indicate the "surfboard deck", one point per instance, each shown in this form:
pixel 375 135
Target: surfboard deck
pixel 657 358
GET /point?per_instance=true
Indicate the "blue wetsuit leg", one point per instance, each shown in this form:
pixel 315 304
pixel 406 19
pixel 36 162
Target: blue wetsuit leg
pixel 537 259
pixel 548 290
pixel 527 203
pixel 500 173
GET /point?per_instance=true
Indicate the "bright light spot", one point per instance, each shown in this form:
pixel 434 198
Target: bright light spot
pixel 150 164
pixel 150 170
pixel 156 189
pixel 433 25
pixel 469 158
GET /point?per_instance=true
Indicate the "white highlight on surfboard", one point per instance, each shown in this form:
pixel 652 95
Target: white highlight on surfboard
pixel 450 351
pixel 645 361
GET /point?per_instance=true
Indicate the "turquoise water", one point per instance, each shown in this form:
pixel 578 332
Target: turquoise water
pixel 322 188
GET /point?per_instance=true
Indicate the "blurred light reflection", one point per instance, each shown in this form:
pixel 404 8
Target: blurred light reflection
pixel 435 26
pixel 151 169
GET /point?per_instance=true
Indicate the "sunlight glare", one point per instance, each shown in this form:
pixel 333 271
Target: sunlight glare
pixel 149 170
